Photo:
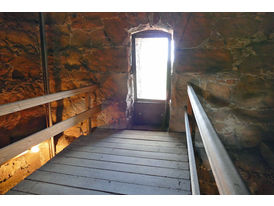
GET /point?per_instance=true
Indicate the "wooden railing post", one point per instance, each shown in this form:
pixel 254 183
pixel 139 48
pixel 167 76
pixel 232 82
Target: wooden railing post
pixel 87 108
pixel 191 119
pixel 44 58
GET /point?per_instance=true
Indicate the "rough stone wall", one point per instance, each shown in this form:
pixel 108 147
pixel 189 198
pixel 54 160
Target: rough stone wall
pixel 228 57
pixel 87 49
pixel 20 78
pixel 20 73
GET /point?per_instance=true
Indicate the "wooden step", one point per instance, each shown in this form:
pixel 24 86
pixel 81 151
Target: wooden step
pixel 102 185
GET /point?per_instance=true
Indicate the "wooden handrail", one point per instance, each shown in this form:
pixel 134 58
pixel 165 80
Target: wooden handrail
pixel 191 159
pixel 26 143
pixel 36 101
pixel 227 178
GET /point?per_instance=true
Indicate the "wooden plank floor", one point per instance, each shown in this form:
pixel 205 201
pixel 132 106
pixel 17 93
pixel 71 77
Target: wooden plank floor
pixel 115 162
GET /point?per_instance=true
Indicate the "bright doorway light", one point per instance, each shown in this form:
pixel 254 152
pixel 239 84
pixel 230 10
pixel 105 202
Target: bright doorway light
pixel 151 68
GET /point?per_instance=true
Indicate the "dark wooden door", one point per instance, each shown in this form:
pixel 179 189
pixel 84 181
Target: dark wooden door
pixel 152 111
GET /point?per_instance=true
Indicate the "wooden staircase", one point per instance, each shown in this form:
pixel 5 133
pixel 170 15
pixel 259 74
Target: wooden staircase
pixel 115 162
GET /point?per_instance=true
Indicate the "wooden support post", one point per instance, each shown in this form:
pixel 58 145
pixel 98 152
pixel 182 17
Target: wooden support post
pixel 44 58
pixel 87 108
pixel 51 140
pixel 191 118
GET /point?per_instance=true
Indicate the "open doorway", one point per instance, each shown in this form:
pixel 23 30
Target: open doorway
pixel 151 55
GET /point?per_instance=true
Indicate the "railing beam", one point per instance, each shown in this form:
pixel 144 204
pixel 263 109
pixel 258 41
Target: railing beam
pixel 191 158
pixel 226 176
pixel 22 145
pixel 36 101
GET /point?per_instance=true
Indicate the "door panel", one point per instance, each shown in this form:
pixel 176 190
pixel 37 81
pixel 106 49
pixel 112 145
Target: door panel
pixel 148 113
pixel 151 99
